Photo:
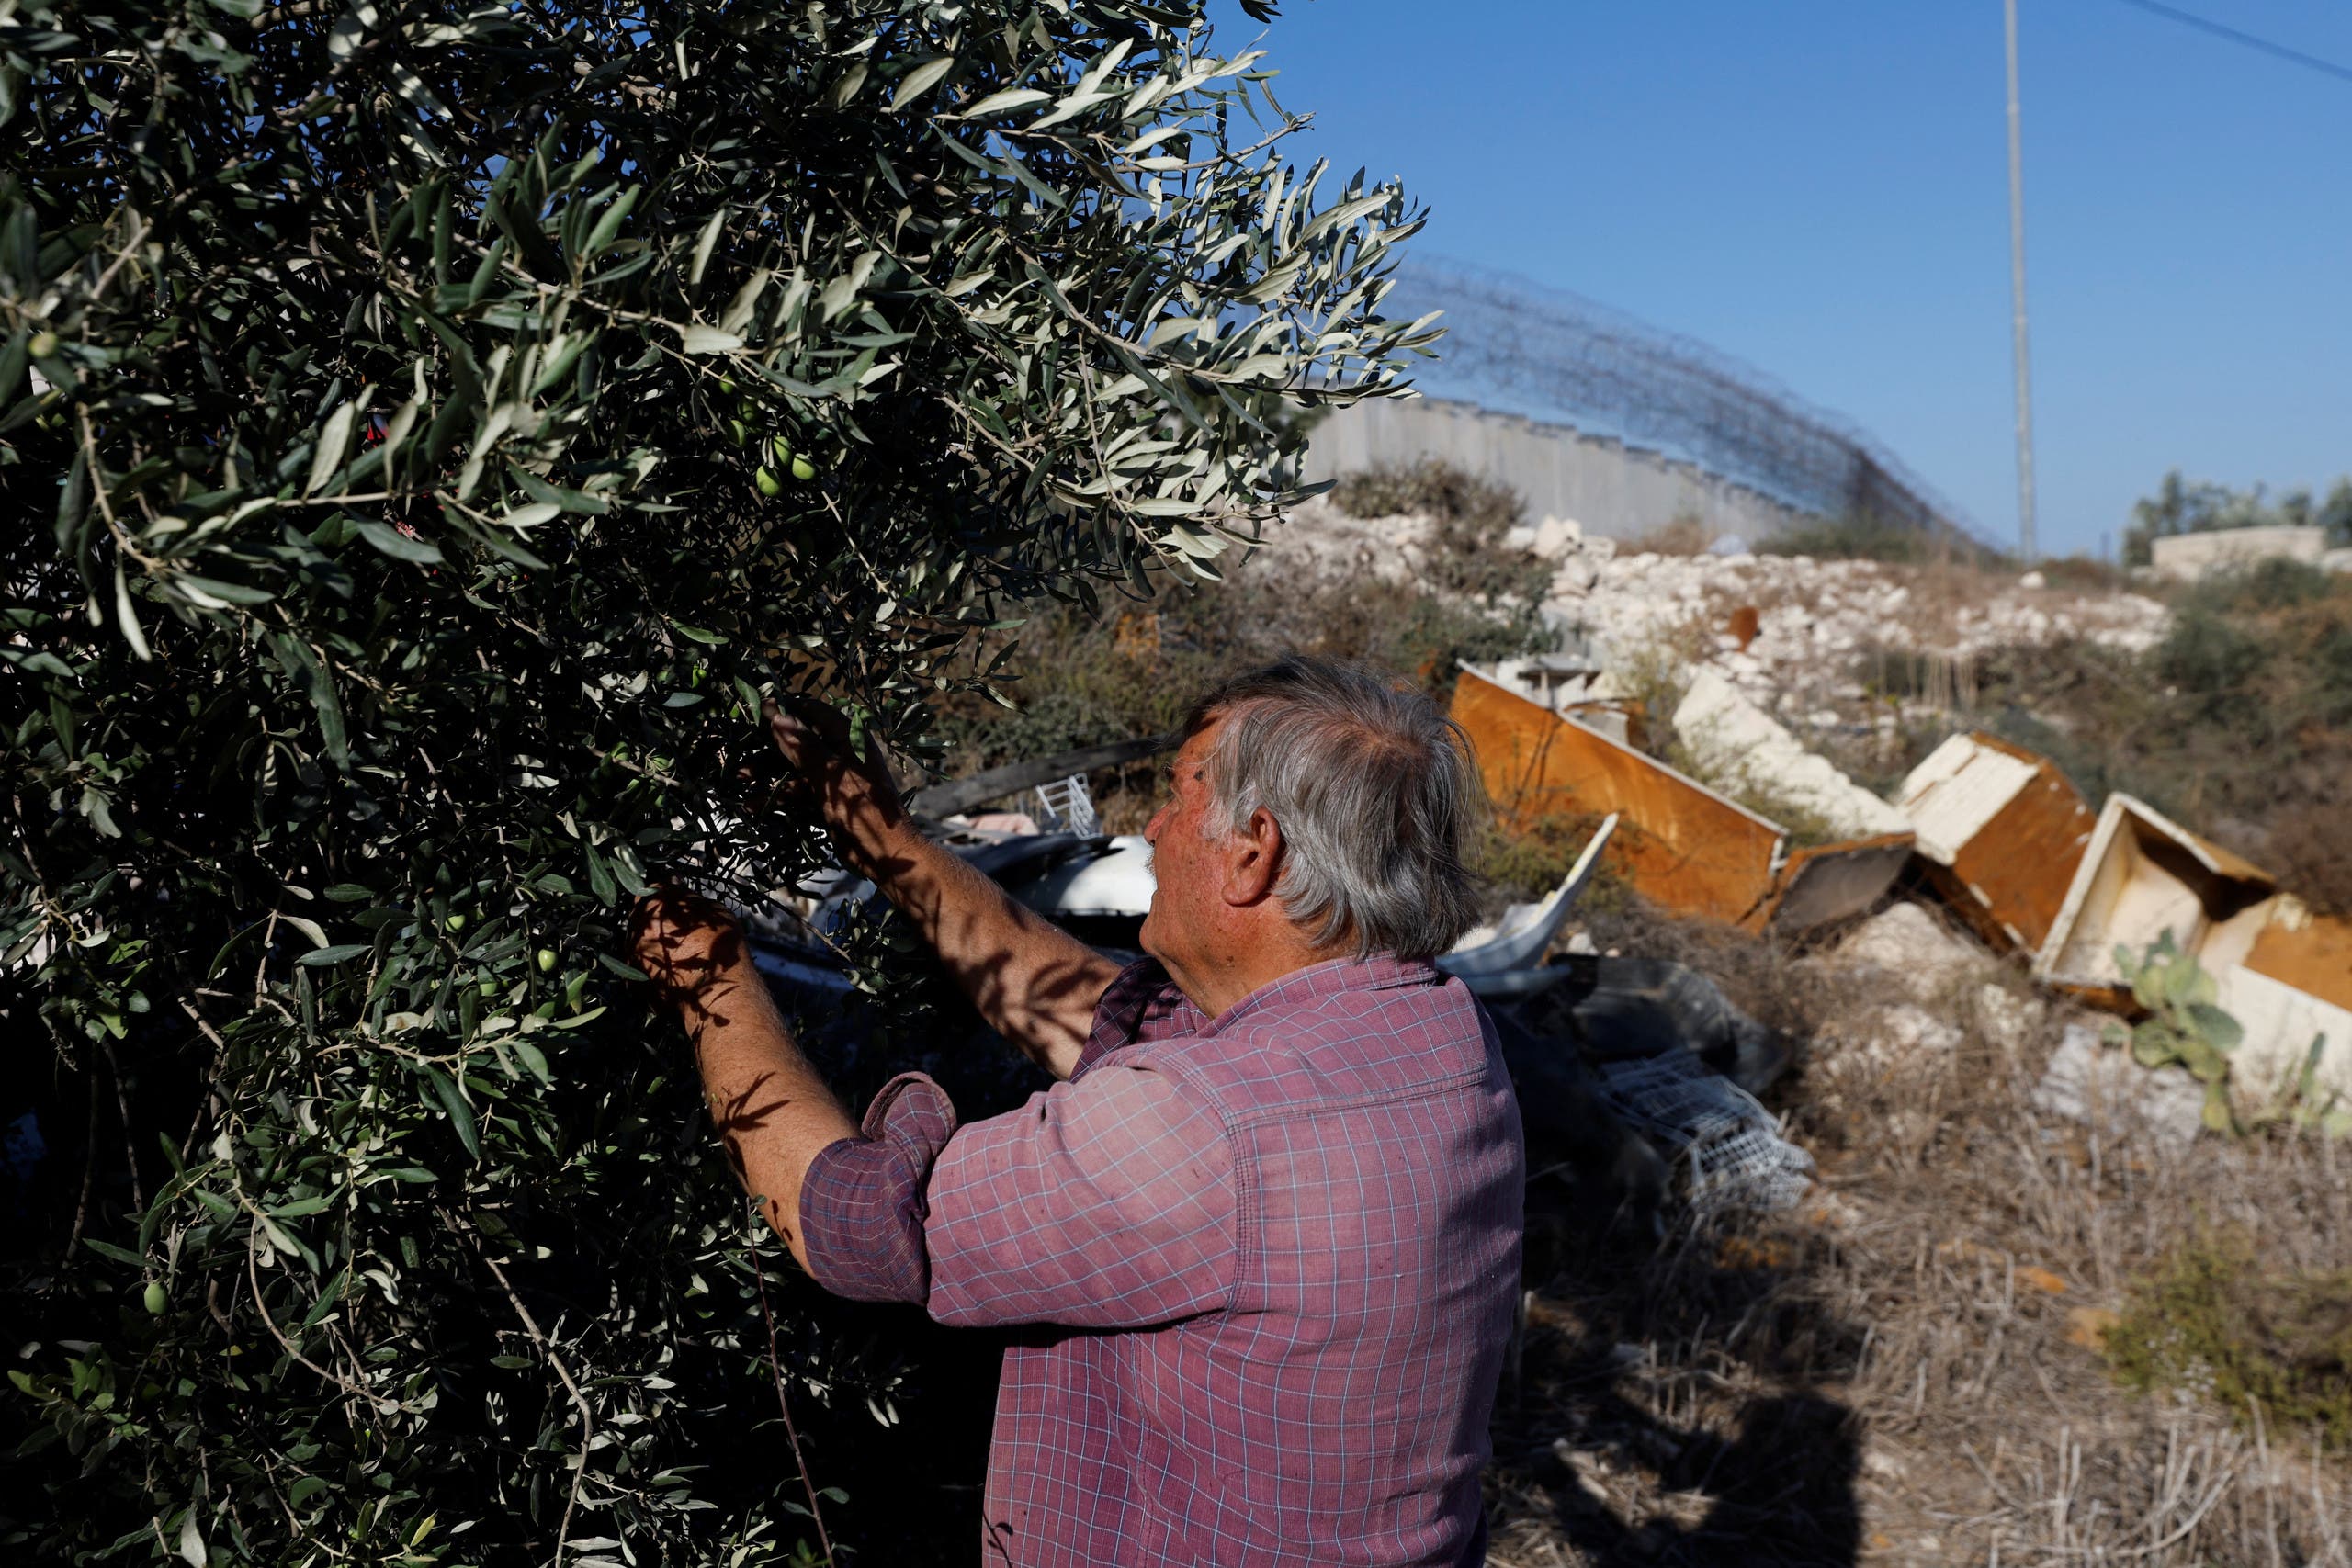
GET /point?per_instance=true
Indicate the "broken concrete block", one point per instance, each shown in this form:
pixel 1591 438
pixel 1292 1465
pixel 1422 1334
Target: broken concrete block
pixel 1575 579
pixel 1557 537
pixel 1906 1029
pixel 1914 948
pixel 1736 740
pixel 2001 831
pixel 2101 1085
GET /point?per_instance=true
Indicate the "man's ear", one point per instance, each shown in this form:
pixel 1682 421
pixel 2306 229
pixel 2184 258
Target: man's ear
pixel 1253 862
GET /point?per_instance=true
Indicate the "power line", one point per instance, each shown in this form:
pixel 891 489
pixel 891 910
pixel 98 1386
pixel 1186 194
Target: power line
pixel 2277 51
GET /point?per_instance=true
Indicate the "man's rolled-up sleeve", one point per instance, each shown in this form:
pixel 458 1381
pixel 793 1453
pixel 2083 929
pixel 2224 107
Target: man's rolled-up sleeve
pixel 1105 1203
pixel 861 1201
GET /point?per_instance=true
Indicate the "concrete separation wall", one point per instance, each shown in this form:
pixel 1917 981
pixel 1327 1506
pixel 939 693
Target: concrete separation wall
pixel 1611 489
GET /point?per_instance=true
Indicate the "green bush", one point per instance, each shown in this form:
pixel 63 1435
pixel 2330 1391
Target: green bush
pixel 1434 487
pixel 2182 507
pixel 2214 1323
pixel 2239 723
pixel 1468 518
pixel 443 425
pixel 1852 537
pixel 1133 668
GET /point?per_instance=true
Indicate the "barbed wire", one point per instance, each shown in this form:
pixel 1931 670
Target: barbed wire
pixel 1516 347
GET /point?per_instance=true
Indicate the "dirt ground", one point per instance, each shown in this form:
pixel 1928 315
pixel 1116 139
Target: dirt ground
pixel 1908 1369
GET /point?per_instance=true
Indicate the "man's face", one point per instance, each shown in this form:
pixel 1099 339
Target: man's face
pixel 1185 868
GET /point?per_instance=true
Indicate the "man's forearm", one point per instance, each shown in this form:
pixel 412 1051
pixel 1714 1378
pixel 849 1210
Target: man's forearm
pixel 1034 982
pixel 773 1113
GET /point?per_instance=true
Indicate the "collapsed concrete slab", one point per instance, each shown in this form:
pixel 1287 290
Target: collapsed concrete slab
pixel 1685 847
pixel 2282 972
pixel 1730 738
pixel 2000 833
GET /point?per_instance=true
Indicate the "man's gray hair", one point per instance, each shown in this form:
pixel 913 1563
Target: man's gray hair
pixel 1373 790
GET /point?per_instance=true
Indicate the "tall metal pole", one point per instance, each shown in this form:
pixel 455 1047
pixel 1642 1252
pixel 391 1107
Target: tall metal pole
pixel 2016 298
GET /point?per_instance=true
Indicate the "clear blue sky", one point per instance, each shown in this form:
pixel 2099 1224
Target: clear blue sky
pixel 1819 188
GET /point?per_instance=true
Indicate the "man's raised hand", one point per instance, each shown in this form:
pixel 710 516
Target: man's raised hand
pixel 855 795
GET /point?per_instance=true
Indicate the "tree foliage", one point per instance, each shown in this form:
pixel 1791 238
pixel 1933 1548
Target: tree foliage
pixel 428 430
pixel 2182 507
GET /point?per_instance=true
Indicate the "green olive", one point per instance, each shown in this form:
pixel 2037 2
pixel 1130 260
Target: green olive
pixel 546 961
pixel 726 383
pixel 782 448
pixel 454 923
pixel 156 1298
pixel 767 481
pixel 739 431
pixel 803 470
pixel 43 345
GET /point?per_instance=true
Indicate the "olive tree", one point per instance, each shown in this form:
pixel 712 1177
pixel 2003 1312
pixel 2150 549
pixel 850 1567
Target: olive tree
pixel 428 430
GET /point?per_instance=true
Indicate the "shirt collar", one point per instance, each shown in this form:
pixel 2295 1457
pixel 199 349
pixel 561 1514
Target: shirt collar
pixel 1382 971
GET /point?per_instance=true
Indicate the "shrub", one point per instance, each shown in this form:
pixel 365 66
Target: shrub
pixel 2210 1321
pixel 1677 536
pixel 1134 670
pixel 2274 584
pixel 1433 487
pixel 1852 537
pixel 449 424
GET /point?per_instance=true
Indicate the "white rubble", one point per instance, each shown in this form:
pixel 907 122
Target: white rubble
pixel 1817 621
pixel 1907 1029
pixel 2093 1082
pixel 1733 741
pixel 1827 633
pixel 2008 1018
pixel 1916 949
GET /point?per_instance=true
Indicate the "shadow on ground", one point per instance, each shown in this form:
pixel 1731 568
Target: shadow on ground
pixel 1674 1405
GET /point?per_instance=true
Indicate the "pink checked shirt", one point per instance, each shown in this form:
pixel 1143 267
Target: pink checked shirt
pixel 1280 1247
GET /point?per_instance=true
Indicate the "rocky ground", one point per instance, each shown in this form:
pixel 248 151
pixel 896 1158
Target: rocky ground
pixel 1909 1368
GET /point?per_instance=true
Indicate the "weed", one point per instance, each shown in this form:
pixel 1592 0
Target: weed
pixel 2084 574
pixel 1522 861
pixel 1684 535
pixel 1133 668
pixel 1852 537
pixel 2210 1322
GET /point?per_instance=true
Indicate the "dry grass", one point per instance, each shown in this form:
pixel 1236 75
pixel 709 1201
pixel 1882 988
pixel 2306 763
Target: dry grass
pixel 1907 1370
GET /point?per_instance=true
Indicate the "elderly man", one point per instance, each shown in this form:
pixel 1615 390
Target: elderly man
pixel 1271 1214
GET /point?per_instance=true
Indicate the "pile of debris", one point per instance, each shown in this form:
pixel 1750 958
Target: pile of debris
pixel 1786 632
pixel 1993 835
